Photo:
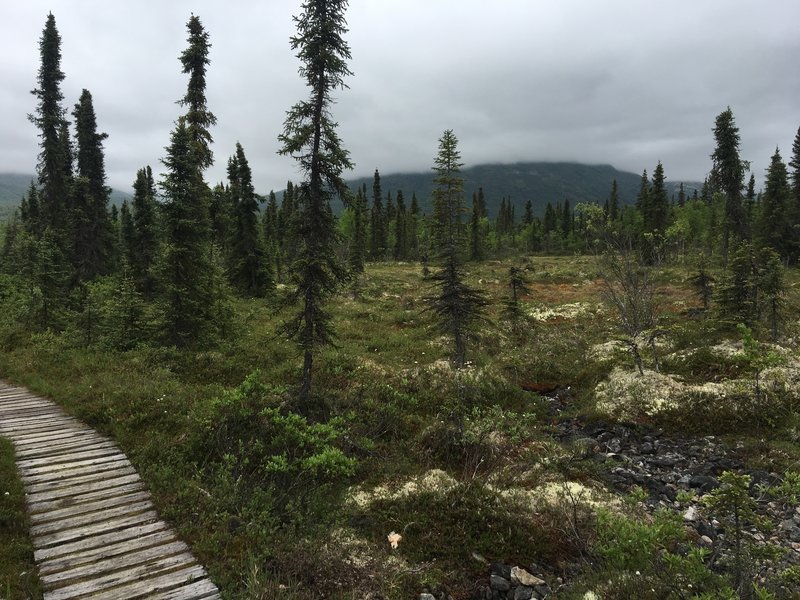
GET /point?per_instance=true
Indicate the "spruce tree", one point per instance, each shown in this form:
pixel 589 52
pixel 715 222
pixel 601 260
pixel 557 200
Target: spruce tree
pixel 772 227
pixel 270 226
pixel 310 137
pixel 188 290
pixel 378 235
pixel 195 61
pixel 457 306
pixel 475 231
pixel 793 212
pixel 400 228
pixel 145 232
pixel 358 245
pixel 727 177
pixel 250 271
pixel 185 287
pixel 656 219
pixel 613 202
pixel 54 165
pixel 127 233
pixel 91 232
pixel 413 226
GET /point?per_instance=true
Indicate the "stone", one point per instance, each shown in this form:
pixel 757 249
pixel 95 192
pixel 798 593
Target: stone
pixel 542 590
pixel 704 483
pixel 706 541
pixel 499 584
pixel 521 577
pixel 523 592
pixel 691 514
pixel 501 569
pixel 647 448
pixel 426 596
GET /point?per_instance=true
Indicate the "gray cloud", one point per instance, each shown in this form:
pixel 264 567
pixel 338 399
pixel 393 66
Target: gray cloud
pixel 621 82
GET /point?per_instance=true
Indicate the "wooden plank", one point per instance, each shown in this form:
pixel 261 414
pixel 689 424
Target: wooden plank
pixel 74 482
pixel 44 451
pixel 42 426
pixel 63 457
pixel 79 533
pixel 30 410
pixel 199 590
pixel 97 542
pixel 79 499
pixel 76 473
pixel 108 479
pixel 97 504
pixel 57 437
pixel 98 517
pixel 158 575
pixel 117 563
pixel 31 415
pixel 74 465
pixel 106 551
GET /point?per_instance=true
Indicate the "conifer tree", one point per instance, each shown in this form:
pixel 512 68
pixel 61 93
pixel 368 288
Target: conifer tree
pixel 358 245
pixel 53 167
pixel 400 228
pixel 270 225
pixel 475 231
pixel 727 177
pixel 390 209
pixel 527 218
pixel 772 228
pixel 188 290
pixel 185 287
pixel 310 137
pixel 413 226
pixel 195 61
pixel 378 234
pixel 658 205
pixel 484 212
pixel 566 220
pixel 613 202
pixel 145 232
pixel 250 271
pixel 457 306
pixel 793 211
pixel 91 231
pixel 127 233
pixel 549 221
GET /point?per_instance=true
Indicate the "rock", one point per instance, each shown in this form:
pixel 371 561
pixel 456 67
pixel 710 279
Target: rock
pixel 587 446
pixel 705 483
pixel 691 514
pixel 499 584
pixel 426 596
pixel 501 570
pixel 647 448
pixel 521 577
pixel 614 445
pixel 706 541
pixel 523 592
pixel 787 525
pixel 542 590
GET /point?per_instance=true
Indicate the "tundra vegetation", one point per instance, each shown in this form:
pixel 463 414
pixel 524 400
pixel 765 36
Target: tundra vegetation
pixel 474 417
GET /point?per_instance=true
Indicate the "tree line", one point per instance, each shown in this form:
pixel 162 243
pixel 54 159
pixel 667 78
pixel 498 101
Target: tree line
pixel 166 265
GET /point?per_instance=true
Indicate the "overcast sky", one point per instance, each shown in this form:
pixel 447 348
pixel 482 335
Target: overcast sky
pixel 622 82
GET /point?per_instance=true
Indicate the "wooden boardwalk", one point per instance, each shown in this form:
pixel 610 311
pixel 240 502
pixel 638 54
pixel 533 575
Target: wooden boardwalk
pixel 95 533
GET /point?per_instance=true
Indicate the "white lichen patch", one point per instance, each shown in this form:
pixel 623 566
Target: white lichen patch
pixel 607 351
pixel 627 394
pixel 434 480
pixel 572 310
pixel 554 493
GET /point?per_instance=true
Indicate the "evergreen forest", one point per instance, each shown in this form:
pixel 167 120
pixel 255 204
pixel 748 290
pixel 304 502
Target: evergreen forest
pixel 353 391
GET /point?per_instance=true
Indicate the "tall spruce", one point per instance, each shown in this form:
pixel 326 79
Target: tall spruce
pixel 250 271
pixel 794 203
pixel 188 290
pixel 658 205
pixel 727 177
pixel 310 137
pixel 145 232
pixel 378 233
pixel 457 306
pixel 358 245
pixel 613 202
pixel 49 117
pixel 400 228
pixel 91 232
pixel 772 227
pixel 195 61
pixel 185 286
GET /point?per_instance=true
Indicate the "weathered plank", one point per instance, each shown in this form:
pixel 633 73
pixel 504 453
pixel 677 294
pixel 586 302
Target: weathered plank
pixel 75 473
pixel 57 449
pixel 107 551
pixel 57 466
pixel 67 457
pixel 164 573
pixel 60 502
pixel 106 481
pixel 117 563
pixel 202 589
pixel 79 522
pixel 73 535
pixel 97 542
pixel 97 476
pixel 80 508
